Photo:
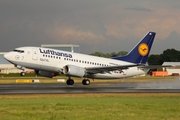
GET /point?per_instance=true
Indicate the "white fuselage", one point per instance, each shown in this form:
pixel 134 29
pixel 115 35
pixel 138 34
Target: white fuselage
pixel 54 60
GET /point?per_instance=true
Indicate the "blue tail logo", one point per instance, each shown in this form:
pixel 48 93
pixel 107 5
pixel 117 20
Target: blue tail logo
pixel 139 54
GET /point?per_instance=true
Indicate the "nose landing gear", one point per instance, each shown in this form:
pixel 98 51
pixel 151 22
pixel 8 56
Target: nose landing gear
pixel 22 73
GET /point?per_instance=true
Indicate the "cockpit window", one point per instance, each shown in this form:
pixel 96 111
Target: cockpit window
pixel 19 51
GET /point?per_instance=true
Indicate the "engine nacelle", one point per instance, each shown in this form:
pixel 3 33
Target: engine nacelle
pixel 44 73
pixel 74 71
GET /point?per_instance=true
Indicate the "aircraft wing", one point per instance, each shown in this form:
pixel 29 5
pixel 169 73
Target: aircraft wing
pixel 94 70
pixel 155 66
pixel 107 69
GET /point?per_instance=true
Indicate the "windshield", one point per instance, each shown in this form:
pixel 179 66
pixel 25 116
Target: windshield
pixel 19 51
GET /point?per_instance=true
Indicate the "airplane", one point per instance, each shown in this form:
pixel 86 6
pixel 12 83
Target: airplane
pixel 51 62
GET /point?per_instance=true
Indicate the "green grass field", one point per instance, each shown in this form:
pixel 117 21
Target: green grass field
pixel 138 106
pixel 91 107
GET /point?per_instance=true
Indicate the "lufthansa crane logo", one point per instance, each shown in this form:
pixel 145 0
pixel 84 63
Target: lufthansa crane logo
pixel 143 49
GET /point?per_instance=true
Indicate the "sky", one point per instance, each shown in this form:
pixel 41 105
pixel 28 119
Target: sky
pixel 96 25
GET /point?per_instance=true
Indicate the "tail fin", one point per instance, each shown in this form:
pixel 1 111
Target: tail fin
pixel 139 54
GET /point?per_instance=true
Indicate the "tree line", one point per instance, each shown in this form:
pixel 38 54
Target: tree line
pixel 169 55
pixel 110 55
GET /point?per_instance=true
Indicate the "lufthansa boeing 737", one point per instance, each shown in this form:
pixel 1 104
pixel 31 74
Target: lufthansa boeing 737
pixel 51 62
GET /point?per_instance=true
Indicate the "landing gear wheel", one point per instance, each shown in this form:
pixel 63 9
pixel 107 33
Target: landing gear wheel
pixel 70 82
pixel 22 73
pixel 86 82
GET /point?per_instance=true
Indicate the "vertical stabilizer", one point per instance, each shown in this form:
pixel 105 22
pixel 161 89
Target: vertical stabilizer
pixel 139 54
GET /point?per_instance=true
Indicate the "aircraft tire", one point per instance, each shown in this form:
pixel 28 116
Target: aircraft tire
pixel 22 73
pixel 70 82
pixel 86 82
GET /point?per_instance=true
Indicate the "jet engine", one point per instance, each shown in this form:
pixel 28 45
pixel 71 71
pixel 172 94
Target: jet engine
pixel 73 70
pixel 45 73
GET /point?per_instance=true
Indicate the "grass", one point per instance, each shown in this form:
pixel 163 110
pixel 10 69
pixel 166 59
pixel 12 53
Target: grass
pixel 90 106
pixel 139 106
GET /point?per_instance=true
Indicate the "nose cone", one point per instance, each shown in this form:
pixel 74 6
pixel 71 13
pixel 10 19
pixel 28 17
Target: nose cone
pixel 7 56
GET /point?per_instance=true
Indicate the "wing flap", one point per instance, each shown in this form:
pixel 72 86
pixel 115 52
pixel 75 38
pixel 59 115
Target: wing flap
pixel 107 69
pixel 155 66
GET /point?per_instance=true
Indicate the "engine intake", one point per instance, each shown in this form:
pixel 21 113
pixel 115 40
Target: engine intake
pixel 74 71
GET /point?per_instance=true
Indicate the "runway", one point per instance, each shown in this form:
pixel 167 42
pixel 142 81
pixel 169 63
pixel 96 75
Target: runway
pixel 62 88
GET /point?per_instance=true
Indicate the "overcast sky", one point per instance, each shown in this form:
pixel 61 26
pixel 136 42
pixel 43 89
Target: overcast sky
pixel 96 25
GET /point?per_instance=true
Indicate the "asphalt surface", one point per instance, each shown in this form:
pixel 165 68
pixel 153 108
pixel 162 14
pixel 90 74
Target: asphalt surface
pixel 172 86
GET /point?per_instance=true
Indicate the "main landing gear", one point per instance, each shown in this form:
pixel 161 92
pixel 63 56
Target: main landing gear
pixel 71 81
pixel 86 82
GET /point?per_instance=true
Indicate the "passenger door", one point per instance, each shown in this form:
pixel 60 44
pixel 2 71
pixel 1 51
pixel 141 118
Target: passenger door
pixel 34 54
